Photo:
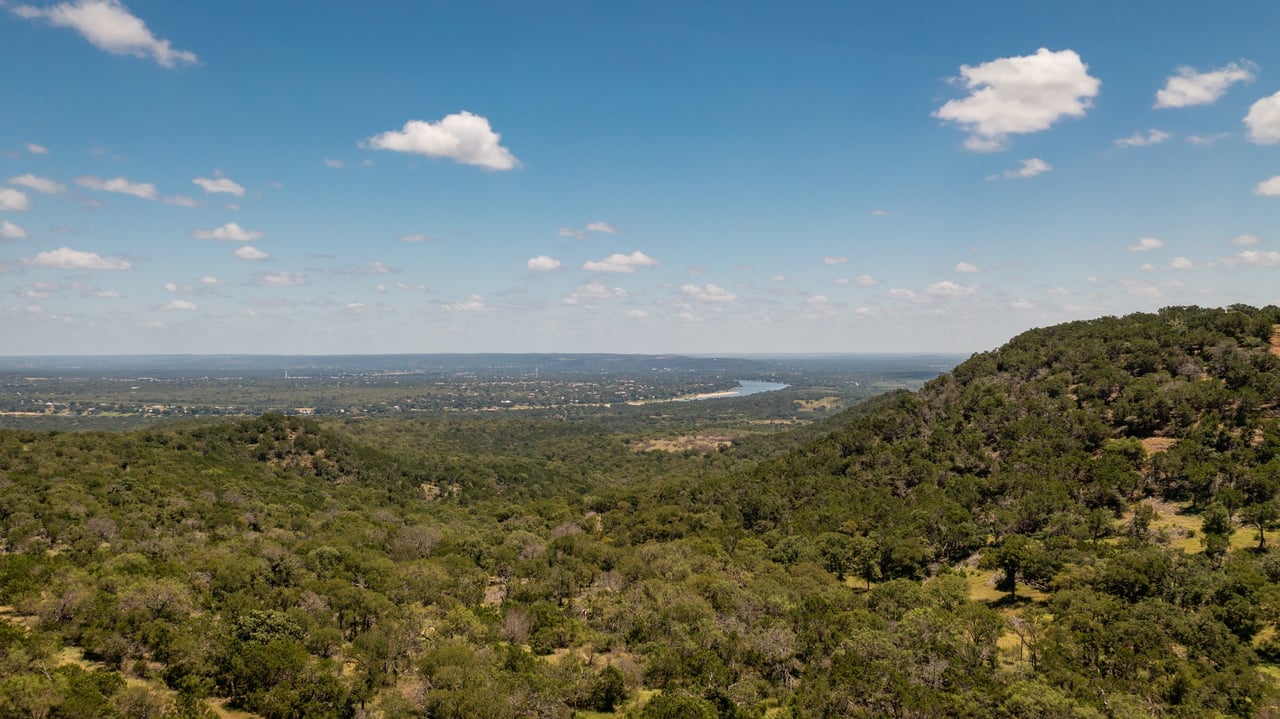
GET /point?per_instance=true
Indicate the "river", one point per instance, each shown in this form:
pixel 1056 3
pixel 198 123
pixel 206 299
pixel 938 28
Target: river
pixel 745 387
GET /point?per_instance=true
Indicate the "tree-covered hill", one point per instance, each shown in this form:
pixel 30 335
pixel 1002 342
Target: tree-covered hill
pixel 1078 524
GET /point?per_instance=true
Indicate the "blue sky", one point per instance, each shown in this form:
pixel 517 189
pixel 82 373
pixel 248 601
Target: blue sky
pixel 293 177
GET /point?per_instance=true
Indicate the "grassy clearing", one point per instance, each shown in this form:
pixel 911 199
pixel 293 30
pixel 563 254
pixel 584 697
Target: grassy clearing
pixel 982 588
pixel 702 442
pixel 817 405
pixel 1183 529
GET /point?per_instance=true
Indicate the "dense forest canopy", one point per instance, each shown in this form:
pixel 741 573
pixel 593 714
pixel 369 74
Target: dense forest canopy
pixel 1078 524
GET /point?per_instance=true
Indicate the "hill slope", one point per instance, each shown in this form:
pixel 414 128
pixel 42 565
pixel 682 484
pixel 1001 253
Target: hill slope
pixel 1066 526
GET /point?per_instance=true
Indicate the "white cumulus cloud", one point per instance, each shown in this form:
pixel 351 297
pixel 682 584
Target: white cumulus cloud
pixel 1263 120
pixel 1146 244
pixel 865 281
pixel 461 137
pixel 14 200
pixel 109 26
pixel 834 260
pixel 10 231
pixel 1181 263
pixel 618 262
pixel 708 293
pixel 37 149
pixel 248 252
pixel 122 185
pixel 966 267
pixel 542 263
pixel 1016 95
pixel 1190 87
pixel 1268 188
pixel 1138 139
pixel 39 184
pixel 230 232
pixel 219 183
pixel 179 305
pixel 415 237
pixel 1244 240
pixel 65 258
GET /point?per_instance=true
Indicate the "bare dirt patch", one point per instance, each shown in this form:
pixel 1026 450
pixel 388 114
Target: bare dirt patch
pixel 1275 340
pixel 689 442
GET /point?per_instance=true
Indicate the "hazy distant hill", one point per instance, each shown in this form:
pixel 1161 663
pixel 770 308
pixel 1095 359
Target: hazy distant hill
pixel 252 365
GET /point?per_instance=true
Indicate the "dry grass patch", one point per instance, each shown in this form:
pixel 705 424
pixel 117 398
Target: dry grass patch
pixel 982 588
pixel 1154 445
pixel 815 405
pixel 702 442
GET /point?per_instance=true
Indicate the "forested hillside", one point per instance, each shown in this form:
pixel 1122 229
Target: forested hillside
pixel 1078 524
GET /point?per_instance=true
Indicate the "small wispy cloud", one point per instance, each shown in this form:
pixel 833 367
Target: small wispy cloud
pixel 230 232
pixel 473 303
pixel 1146 244
pixel 1028 168
pixel 219 184
pixel 1139 139
pixel 39 184
pixel 1253 258
pixel 597 226
pixel 1191 87
pixel 708 293
pixel 591 294
pixel 1209 139
pixel 122 185
pixel 280 279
